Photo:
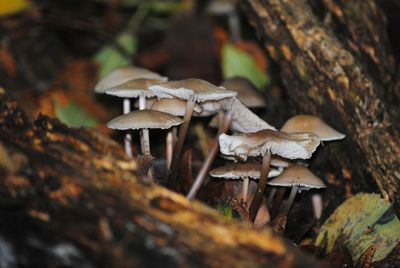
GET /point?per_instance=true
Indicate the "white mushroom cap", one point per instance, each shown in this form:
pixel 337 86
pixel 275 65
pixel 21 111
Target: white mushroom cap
pixel 241 170
pixel 144 119
pixel 244 120
pixel 292 146
pixel 173 106
pixel 124 74
pixel 197 89
pixel 134 88
pixel 247 92
pixel 311 124
pixel 297 175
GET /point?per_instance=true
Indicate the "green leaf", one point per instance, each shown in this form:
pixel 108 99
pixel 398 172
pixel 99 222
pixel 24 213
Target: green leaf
pixel 235 62
pixel 73 115
pixel 362 221
pixel 225 210
pixel 109 57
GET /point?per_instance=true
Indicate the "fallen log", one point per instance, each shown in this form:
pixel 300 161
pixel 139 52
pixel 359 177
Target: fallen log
pixel 69 197
pixel 323 75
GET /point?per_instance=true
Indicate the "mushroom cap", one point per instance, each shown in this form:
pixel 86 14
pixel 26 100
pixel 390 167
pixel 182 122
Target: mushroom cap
pixel 297 175
pixel 198 89
pixel 121 75
pixel 241 170
pixel 312 124
pixel 134 88
pixel 243 119
pixel 247 92
pixel 292 146
pixel 144 119
pixel 174 106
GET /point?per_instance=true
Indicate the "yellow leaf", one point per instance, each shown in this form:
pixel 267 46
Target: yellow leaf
pixel 8 7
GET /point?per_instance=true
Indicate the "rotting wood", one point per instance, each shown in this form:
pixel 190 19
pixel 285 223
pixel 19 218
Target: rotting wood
pixel 324 77
pixel 71 198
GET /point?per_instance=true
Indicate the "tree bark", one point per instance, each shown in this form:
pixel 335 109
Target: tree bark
pixel 71 198
pixel 338 69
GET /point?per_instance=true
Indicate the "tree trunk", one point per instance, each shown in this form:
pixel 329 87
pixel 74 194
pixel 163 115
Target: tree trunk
pixel 69 197
pixel 338 66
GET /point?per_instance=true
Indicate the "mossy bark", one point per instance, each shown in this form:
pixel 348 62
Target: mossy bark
pixel 336 63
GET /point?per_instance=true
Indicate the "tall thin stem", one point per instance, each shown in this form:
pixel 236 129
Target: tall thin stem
pixel 144 133
pixel 291 198
pixel 210 158
pixel 245 190
pixel 126 106
pixel 262 184
pixel 173 173
pixel 277 201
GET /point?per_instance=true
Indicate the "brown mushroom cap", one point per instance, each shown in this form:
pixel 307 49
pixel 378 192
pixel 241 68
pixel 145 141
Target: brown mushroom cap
pixel 197 89
pixel 247 92
pixel 292 146
pixel 124 74
pixel 241 170
pixel 297 175
pixel 144 119
pixel 173 106
pixel 134 88
pixel 312 124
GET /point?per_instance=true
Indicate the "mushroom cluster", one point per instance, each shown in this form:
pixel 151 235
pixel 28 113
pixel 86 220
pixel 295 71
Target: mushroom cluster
pixel 251 137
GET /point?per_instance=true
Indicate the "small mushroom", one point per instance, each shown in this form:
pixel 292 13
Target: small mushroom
pixel 144 119
pixel 265 143
pixel 311 124
pixel 175 107
pixel 243 171
pixel 191 90
pixel 135 88
pixel 299 178
pixel 119 76
pixel 247 92
pixel 243 119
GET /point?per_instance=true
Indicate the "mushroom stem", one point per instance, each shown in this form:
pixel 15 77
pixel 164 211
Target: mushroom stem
pixel 144 133
pixel 168 153
pixel 245 191
pixel 126 106
pixel 210 158
pixel 262 184
pixel 271 196
pixel 317 205
pixel 291 198
pixel 173 173
pixel 277 201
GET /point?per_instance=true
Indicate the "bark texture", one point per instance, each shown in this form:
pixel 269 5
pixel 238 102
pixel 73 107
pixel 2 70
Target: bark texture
pixel 336 64
pixel 70 198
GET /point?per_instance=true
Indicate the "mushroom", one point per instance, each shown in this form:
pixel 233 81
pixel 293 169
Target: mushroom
pixel 135 88
pixel 144 119
pixel 191 90
pixel 119 76
pixel 299 178
pixel 247 91
pixel 311 124
pixel 232 110
pixel 175 107
pixel 243 119
pixel 265 143
pixel 243 171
